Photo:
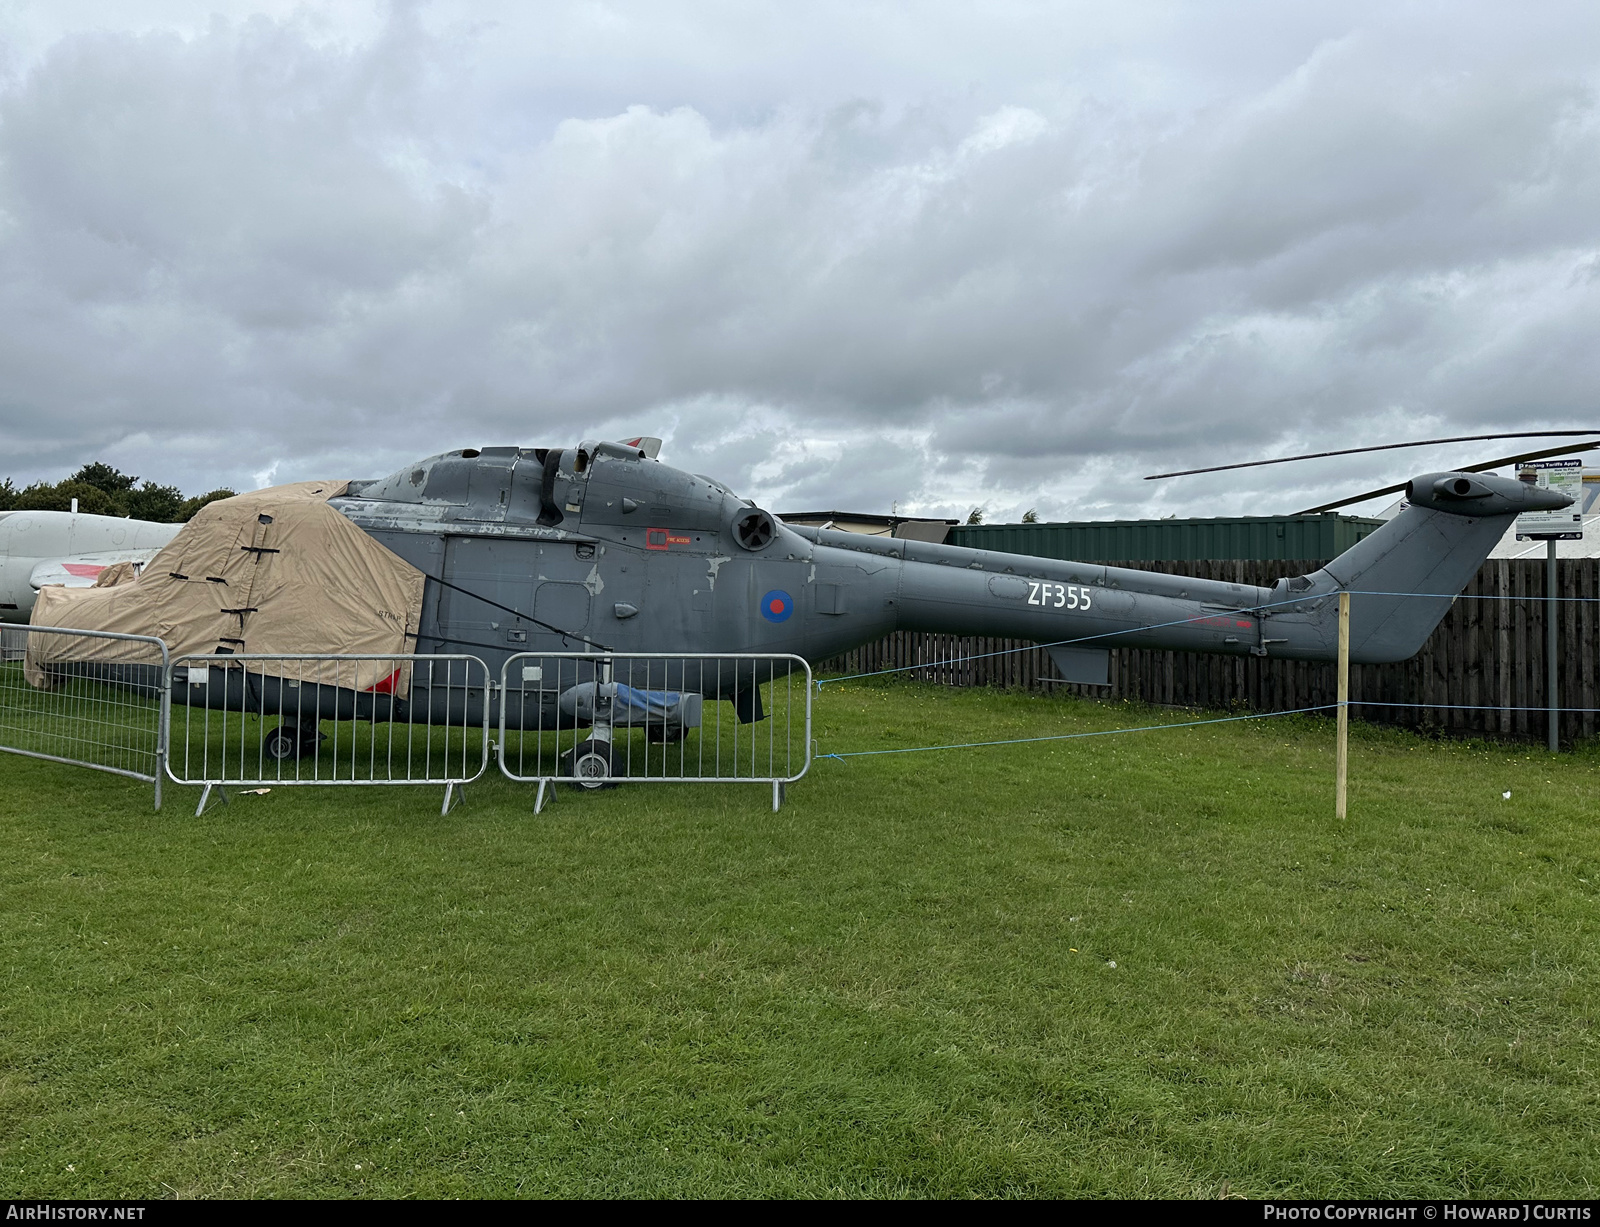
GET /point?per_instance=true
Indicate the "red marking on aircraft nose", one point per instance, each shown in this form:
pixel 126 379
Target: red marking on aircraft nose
pixel 84 570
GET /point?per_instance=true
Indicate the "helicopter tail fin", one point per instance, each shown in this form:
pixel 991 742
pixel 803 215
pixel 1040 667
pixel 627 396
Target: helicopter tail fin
pixel 1404 576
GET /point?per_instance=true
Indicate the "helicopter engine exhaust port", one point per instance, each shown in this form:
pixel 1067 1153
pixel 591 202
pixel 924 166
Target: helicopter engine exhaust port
pixel 754 529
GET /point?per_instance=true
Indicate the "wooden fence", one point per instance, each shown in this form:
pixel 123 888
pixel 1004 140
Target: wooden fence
pixel 1482 673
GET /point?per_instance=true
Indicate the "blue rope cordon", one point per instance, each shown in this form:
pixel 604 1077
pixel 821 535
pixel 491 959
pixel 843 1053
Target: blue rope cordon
pixel 1151 626
pixel 1464 596
pixel 1464 706
pixel 1021 741
pixel 1054 643
pixel 1058 643
pixel 1189 724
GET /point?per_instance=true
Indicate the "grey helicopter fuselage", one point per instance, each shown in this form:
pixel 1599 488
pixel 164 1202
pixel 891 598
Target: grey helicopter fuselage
pixel 600 549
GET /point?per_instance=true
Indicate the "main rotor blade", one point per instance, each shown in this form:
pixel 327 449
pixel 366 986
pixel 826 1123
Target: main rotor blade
pixel 1381 447
pixel 1471 468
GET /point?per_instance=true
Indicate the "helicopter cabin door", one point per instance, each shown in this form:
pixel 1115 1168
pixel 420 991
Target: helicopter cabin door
pixel 488 596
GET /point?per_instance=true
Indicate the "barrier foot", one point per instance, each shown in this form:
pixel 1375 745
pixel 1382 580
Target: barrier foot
pixel 205 798
pixel 454 794
pixel 777 795
pixel 538 801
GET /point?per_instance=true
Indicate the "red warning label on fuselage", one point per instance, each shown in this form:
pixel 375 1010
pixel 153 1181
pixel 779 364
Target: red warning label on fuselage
pixel 663 538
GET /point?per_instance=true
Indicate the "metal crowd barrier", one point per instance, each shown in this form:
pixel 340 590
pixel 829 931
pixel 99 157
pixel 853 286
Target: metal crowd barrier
pixel 86 698
pixel 271 720
pixel 595 719
pixel 120 703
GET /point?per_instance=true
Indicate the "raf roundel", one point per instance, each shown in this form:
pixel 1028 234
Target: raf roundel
pixel 777 605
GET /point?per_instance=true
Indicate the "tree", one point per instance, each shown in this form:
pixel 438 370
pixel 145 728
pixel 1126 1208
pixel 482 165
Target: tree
pixel 975 516
pixel 1030 516
pixel 191 506
pixel 103 477
pixel 104 490
pixel 152 502
pixel 43 497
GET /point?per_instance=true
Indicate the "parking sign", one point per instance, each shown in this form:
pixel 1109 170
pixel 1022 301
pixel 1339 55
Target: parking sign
pixel 1564 477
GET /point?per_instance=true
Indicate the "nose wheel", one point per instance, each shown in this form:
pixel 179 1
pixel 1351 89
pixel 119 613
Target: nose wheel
pixel 591 762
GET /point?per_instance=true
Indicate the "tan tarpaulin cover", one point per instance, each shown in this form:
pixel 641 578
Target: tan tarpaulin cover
pixel 116 573
pixel 274 571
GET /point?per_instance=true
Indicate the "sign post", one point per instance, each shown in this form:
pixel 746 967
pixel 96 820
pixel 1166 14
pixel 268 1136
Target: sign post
pixel 1564 477
pixel 1341 757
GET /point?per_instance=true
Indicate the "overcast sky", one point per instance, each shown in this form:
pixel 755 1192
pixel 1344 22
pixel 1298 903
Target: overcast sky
pixel 837 255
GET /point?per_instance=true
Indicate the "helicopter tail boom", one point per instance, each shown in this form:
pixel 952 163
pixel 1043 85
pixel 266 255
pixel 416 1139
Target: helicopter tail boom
pixel 1407 574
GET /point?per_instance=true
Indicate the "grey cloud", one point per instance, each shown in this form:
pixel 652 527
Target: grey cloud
pixel 251 249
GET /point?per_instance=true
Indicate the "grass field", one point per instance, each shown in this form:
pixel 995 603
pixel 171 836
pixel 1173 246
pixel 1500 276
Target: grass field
pixel 1143 965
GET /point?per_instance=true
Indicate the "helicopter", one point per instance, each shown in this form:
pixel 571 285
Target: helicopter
pixel 602 548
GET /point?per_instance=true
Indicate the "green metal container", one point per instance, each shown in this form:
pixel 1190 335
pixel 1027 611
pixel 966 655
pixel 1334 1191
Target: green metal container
pixel 1267 537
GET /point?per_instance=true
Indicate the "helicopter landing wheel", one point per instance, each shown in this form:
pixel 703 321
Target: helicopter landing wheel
pixel 287 742
pixel 590 760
